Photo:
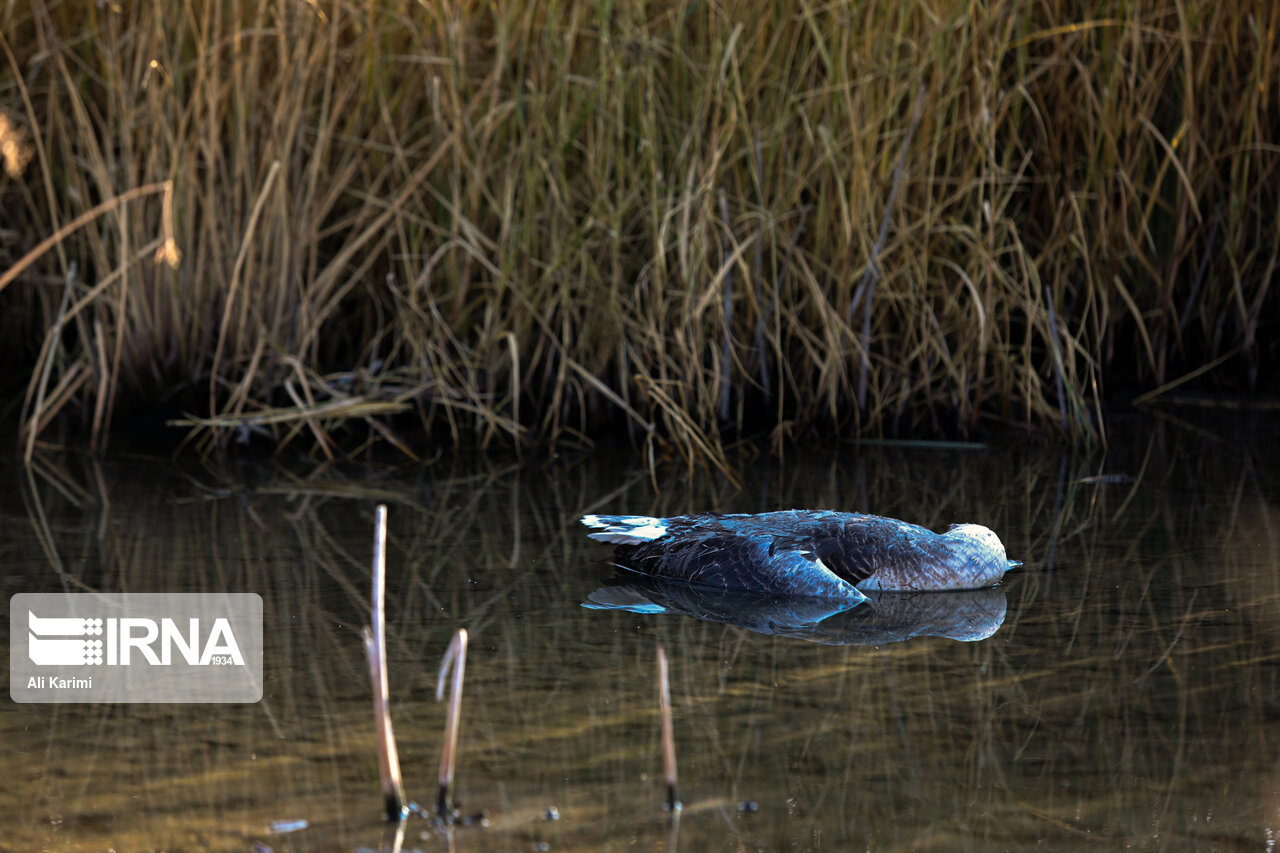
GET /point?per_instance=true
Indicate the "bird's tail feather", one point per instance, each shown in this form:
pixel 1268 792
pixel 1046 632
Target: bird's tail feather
pixel 626 529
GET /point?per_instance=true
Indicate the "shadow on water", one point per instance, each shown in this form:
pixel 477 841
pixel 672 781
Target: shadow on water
pixel 1127 693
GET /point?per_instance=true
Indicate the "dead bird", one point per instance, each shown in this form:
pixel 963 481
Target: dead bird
pixel 820 553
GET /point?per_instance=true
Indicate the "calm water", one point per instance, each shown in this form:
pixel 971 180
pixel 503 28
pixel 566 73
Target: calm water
pixel 1128 695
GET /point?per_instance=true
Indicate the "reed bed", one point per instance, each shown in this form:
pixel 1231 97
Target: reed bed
pixel 513 222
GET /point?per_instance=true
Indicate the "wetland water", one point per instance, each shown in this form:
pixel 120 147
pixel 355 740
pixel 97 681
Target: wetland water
pixel 1129 697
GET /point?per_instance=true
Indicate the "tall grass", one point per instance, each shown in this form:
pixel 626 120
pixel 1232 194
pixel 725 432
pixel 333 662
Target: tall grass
pixel 519 221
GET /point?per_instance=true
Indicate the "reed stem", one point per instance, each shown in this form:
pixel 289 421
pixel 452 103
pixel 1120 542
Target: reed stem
pixel 866 291
pixel 375 647
pixel 455 656
pixel 668 736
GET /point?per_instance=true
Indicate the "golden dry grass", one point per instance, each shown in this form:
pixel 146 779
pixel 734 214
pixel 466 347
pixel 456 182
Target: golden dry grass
pixel 520 222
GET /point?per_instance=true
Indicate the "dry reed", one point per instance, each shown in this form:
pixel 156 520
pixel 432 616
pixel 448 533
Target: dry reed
pixel 668 733
pixel 455 657
pixel 394 805
pixel 509 222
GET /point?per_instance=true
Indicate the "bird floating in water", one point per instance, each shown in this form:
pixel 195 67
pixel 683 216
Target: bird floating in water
pixel 818 553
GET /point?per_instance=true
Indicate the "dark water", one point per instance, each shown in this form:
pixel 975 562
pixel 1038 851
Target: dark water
pixel 1128 699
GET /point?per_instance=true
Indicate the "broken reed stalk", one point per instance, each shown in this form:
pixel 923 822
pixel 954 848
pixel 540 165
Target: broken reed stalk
pixel 455 655
pixel 668 737
pixel 80 221
pixel 375 649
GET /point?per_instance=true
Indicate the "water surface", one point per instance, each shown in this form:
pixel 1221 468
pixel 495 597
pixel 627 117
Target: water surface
pixel 1129 697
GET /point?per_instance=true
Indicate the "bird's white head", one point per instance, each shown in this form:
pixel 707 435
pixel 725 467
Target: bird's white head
pixel 982 538
pixel 984 545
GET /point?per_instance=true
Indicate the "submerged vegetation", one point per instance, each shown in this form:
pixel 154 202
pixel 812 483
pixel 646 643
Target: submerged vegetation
pixel 522 221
